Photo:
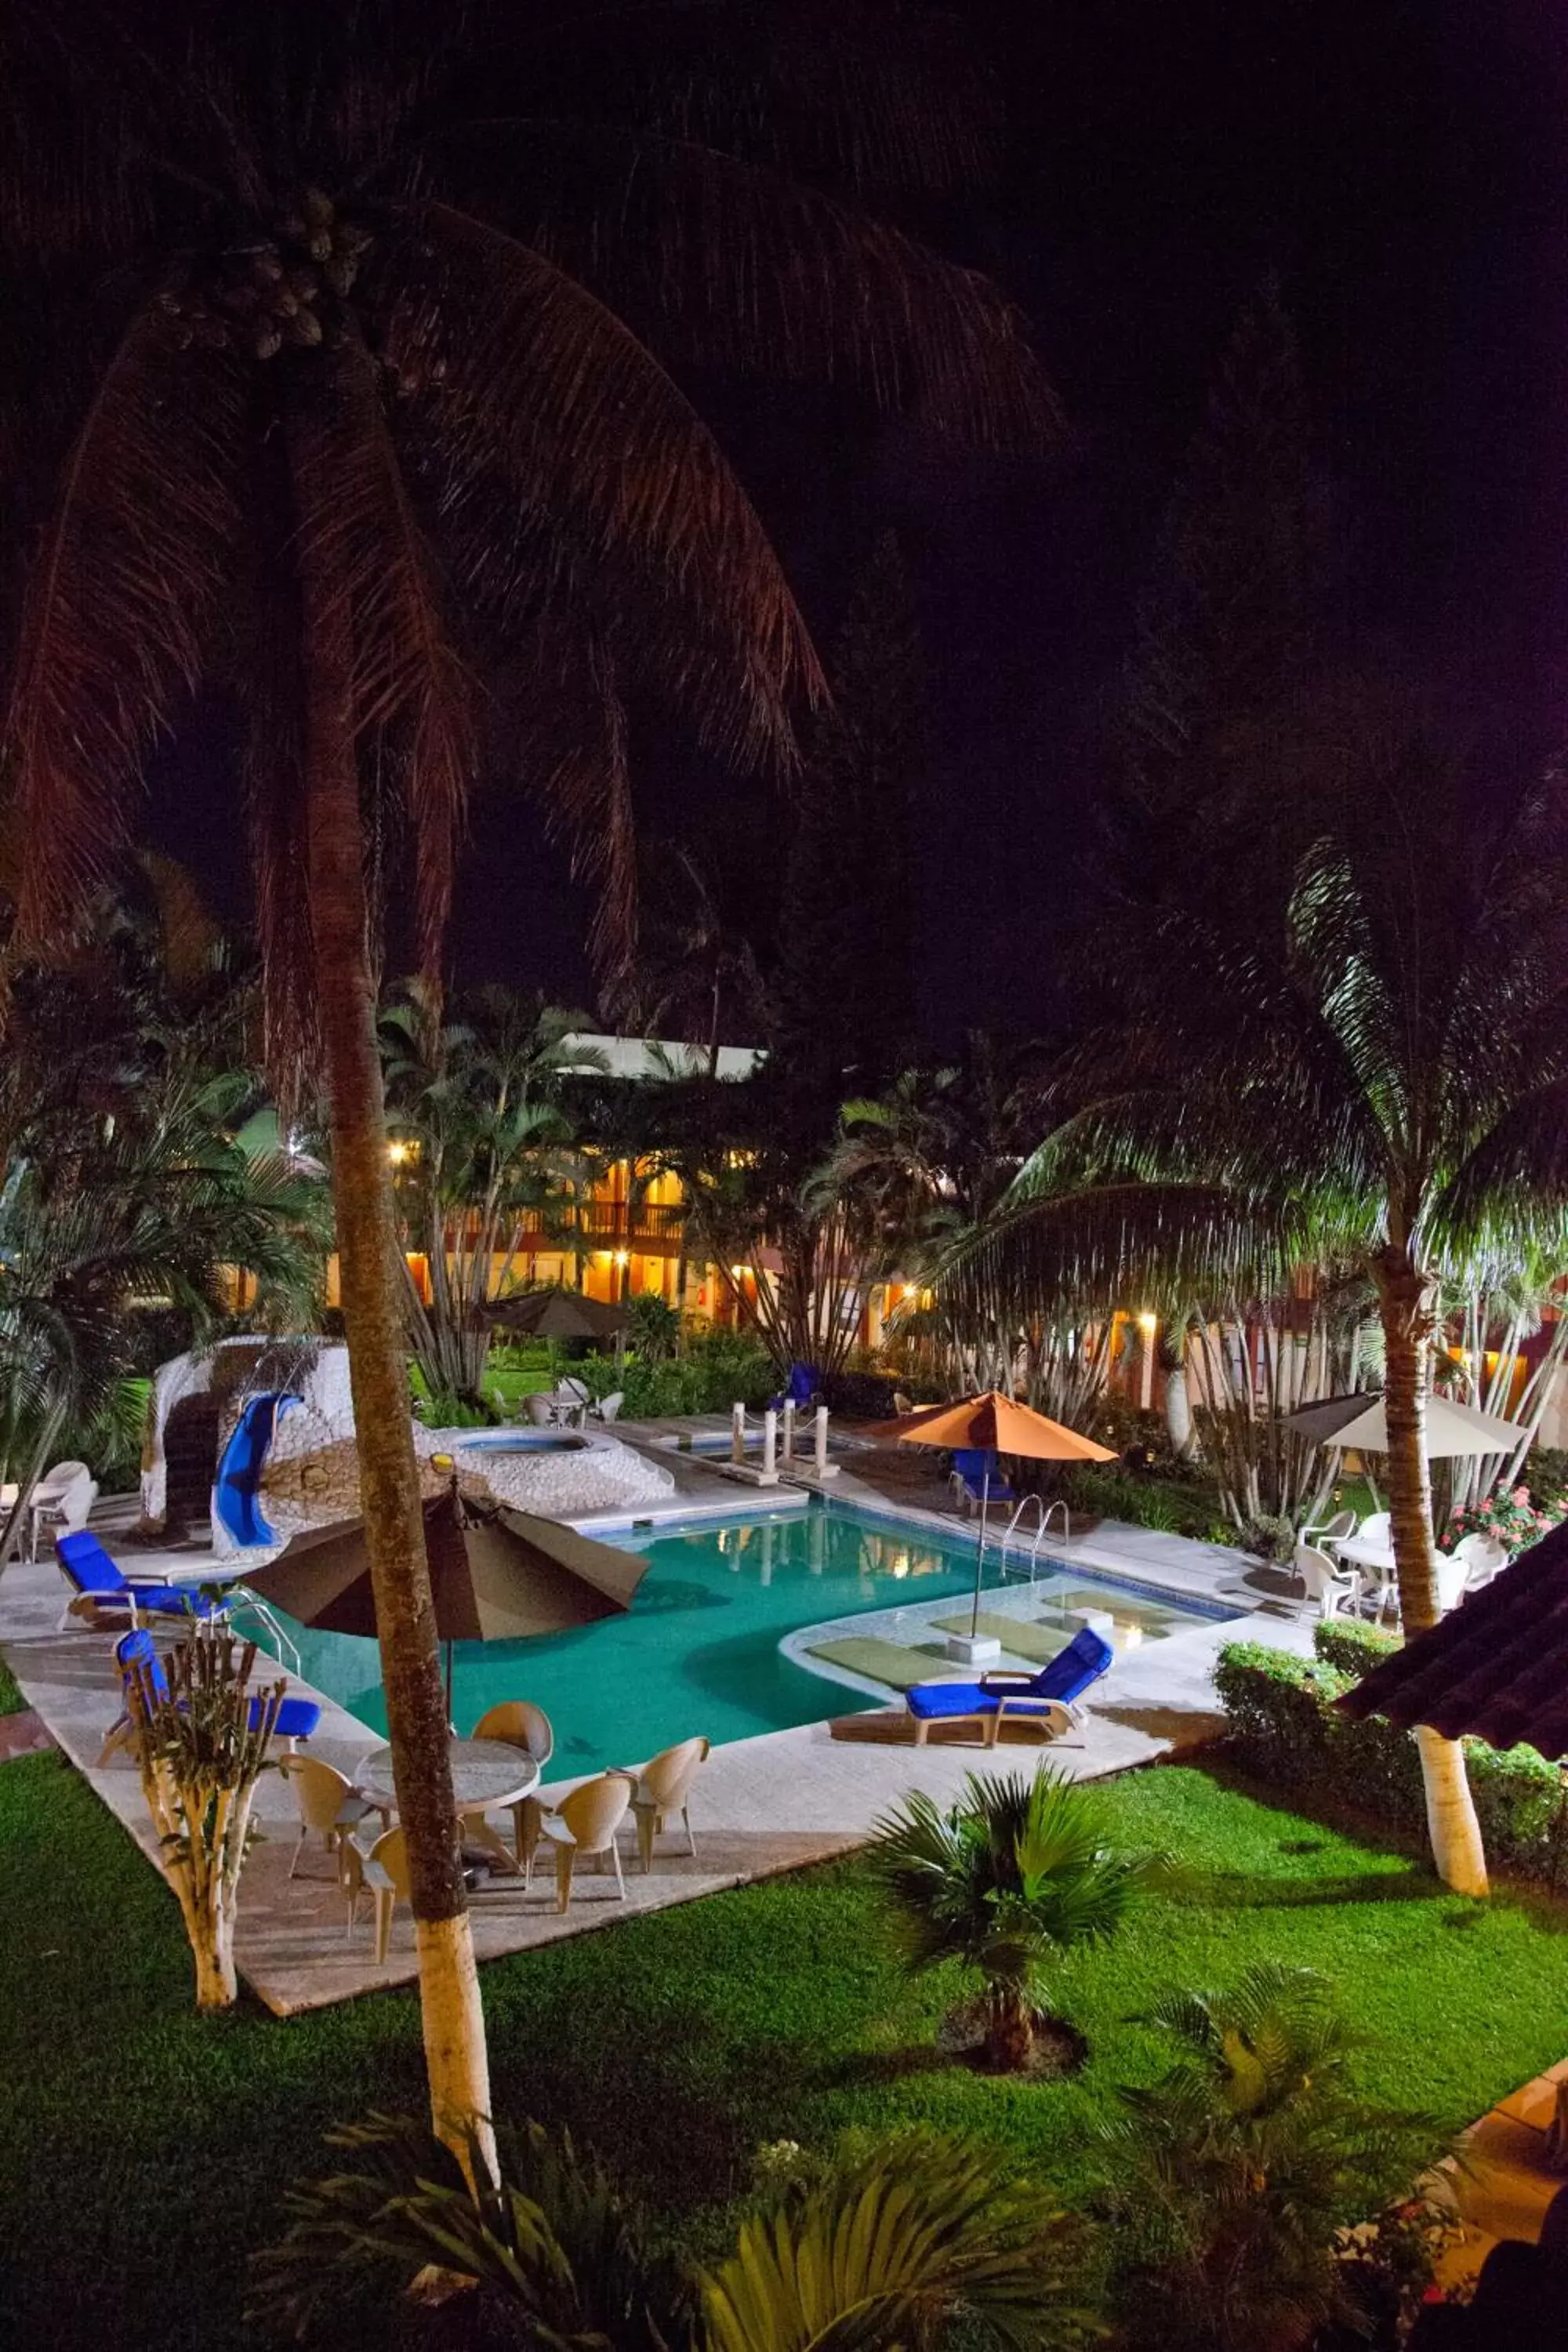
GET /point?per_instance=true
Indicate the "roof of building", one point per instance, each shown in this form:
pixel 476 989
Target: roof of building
pixel 1496 1666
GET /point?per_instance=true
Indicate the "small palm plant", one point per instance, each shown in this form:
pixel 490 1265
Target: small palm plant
pixel 878 2252
pixel 1013 1876
pixel 201 1742
pixel 1234 2173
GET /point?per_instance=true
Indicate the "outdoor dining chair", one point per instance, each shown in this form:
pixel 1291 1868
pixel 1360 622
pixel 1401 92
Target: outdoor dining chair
pixel 381 1873
pixel 328 1801
pixel 583 1827
pixel 521 1724
pixel 1483 1557
pixel 663 1789
pixel 1336 1590
pixel 62 1499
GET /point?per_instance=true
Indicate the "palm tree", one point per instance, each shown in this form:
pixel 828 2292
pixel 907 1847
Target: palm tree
pixel 1231 2175
pixel 342 311
pixel 880 2251
pixel 1373 1073
pixel 1013 1876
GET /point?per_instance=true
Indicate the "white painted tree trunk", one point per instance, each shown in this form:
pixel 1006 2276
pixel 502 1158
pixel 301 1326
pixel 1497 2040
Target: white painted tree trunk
pixel 1179 1413
pixel 1451 1824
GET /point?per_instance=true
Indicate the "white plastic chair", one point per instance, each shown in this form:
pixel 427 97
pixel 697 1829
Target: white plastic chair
pixel 61 1500
pixel 608 1407
pixel 1450 1578
pixel 327 1803
pixel 1323 1539
pixel 1483 1557
pixel 541 1410
pixel 521 1725
pixel 663 1788
pixel 584 1825
pixel 1331 1586
pixel 1376 1527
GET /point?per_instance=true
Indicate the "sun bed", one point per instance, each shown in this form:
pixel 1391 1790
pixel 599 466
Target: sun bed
pixel 101 1594
pixel 297 1718
pixel 979 1480
pixel 1046 1696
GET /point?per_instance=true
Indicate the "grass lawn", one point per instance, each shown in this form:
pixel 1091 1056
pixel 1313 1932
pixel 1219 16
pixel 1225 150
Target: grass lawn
pixel 142 2149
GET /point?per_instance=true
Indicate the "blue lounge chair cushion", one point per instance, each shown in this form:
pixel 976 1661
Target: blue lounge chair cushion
pixel 89 1568
pixel 297 1718
pixel 1069 1674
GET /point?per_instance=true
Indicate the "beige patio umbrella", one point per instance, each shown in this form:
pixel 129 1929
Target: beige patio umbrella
pixel 1357 1422
pixel 992 1423
pixel 496 1575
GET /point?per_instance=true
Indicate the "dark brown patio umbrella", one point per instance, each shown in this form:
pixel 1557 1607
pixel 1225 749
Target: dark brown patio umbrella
pixel 496 1575
pixel 1496 1666
pixel 558 1315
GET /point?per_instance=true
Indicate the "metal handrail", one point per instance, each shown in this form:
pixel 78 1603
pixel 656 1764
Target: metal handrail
pixel 1047 1512
pixel 286 1650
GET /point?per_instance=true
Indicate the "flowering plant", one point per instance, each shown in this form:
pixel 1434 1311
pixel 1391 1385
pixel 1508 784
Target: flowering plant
pixel 1511 1518
pixel 1391 2260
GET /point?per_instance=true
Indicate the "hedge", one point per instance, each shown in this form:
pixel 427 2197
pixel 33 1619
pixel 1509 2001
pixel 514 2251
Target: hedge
pixel 1284 1728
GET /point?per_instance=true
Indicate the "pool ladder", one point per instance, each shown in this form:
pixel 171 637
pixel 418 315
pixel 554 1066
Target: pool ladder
pixel 287 1652
pixel 1047 1512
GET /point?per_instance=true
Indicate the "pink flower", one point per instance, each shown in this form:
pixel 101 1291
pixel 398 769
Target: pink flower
pixel 1521 1497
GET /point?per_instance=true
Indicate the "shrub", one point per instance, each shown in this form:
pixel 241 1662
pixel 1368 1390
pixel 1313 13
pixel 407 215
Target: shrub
pixel 1269 1537
pixel 1284 1728
pixel 1110 1491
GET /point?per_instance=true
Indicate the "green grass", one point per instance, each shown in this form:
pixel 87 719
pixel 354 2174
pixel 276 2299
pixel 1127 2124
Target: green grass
pixel 674 2044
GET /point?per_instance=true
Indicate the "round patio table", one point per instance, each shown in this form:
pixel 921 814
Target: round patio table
pixel 485 1772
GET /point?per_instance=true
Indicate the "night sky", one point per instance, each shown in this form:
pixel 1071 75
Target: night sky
pixel 1400 163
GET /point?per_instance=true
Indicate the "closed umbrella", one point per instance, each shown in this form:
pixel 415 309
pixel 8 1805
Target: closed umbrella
pixel 1451 1429
pixel 992 1423
pixel 558 1315
pixel 496 1575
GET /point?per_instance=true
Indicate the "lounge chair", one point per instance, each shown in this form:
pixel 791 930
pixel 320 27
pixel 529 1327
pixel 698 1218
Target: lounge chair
pixel 1336 1589
pixel 1046 1697
pixel 521 1725
pixel 328 1801
pixel 662 1789
pixel 62 1499
pixel 972 1466
pixel 103 1598
pixel 133 1652
pixel 799 1388
pixel 582 1825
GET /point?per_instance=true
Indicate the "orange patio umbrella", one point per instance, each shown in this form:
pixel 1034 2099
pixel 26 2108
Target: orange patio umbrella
pixel 992 1423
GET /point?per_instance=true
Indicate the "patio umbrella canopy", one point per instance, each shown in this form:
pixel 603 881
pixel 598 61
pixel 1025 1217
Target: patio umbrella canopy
pixel 1496 1666
pixel 994 1424
pixel 990 1424
pixel 496 1575
pixel 1358 1421
pixel 558 1315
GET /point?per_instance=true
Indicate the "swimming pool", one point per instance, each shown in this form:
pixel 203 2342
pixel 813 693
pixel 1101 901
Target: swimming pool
pixel 697 1652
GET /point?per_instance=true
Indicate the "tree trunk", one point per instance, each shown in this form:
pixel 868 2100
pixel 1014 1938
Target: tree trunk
pixel 1408 1304
pixel 1010 2035
pixel 1179 1413
pixel 453 2017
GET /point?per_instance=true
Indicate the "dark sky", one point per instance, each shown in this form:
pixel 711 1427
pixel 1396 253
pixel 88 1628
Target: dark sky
pixel 1401 165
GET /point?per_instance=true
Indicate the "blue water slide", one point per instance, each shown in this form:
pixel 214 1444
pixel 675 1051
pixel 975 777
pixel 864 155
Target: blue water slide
pixel 234 1502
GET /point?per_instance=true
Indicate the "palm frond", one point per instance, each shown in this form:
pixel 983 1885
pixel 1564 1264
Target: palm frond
pixel 120 606
pixel 526 375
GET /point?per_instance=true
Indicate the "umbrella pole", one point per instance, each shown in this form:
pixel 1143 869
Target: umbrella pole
pixel 980 1552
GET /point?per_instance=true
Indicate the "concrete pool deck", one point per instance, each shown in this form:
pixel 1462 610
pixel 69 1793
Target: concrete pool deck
pixel 763 1804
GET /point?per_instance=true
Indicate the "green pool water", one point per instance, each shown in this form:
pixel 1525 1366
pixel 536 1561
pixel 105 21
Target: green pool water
pixel 697 1652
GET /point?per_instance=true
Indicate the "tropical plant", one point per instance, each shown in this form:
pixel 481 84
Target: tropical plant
pixel 329 287
pixel 1371 1071
pixel 697 980
pixel 123 1181
pixel 1229 2180
pixel 201 1736
pixel 479 1127
pixel 878 2251
pixel 654 1331
pixel 1010 1878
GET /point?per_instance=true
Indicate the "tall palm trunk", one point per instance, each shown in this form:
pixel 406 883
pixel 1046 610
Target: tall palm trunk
pixel 1407 1303
pixel 453 2017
